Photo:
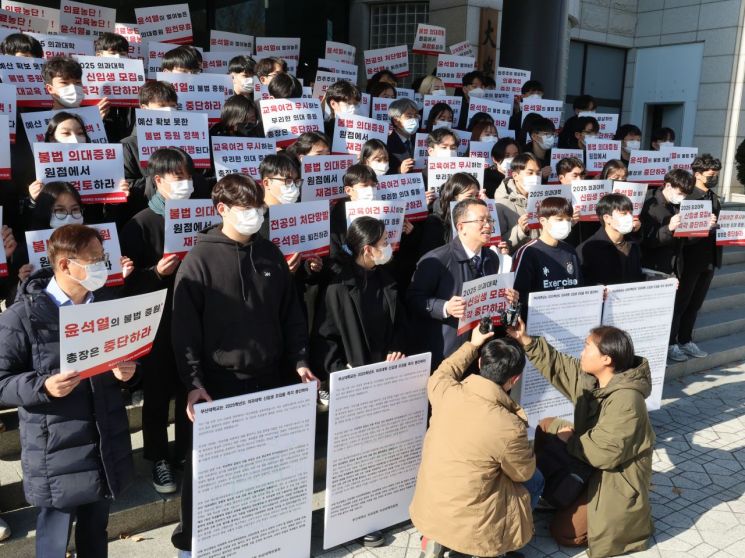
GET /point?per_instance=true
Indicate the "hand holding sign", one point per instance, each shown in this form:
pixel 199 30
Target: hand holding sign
pixel 62 383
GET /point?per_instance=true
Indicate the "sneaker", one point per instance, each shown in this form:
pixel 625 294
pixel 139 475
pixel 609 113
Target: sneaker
pixel 373 540
pixel 138 397
pixel 432 549
pixel 691 349
pixel 4 530
pixel 675 354
pixel 163 478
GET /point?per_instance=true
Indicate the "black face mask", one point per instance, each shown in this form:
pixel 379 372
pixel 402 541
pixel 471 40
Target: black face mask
pixel 712 181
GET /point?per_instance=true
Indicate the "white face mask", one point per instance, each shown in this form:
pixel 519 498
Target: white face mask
pixel 675 198
pixel 56 223
pixel 476 92
pixel 346 109
pixel 379 168
pixel 385 256
pixel 70 96
pixel 72 138
pixel 507 164
pixel 289 194
pixel 366 193
pixel 95 275
pixel 167 109
pixel 247 84
pixel 441 124
pixel 410 125
pixel 623 223
pixel 489 139
pixel 247 221
pixel 546 142
pixel 632 145
pixel 439 92
pixel 181 189
pixel 531 181
pixel 445 152
pixel 559 230
pixel 533 97
pixel 665 144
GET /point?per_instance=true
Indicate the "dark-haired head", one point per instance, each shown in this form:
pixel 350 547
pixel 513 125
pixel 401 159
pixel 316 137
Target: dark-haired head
pixel 111 44
pixel 70 249
pixel 64 127
pixel 615 169
pixel 239 117
pixel 458 187
pixel 57 203
pixel 439 115
pixel 20 44
pixel 502 361
pixel 607 349
pixel 309 143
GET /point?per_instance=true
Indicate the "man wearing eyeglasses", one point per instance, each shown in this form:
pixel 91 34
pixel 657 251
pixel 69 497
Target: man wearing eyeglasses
pixel 434 294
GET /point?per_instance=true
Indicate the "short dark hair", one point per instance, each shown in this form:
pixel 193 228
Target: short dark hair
pixel 625 130
pixel 568 164
pixel 470 77
pixel 184 56
pixel 61 67
pixel 376 89
pixel 616 344
pixel 169 160
pixel 20 42
pixel 280 164
pixel 160 92
pixel 241 63
pixel 582 122
pixel 461 208
pixel 342 91
pixel 46 199
pixel 531 85
pixel 681 179
pixel 520 161
pixel 499 149
pixel 285 86
pixel 58 119
pixel 612 165
pixel 436 111
pixel 364 231
pixel 554 206
pixel 542 126
pixel 613 202
pixel 359 173
pixel 238 189
pixel 479 119
pixel 265 66
pixel 236 112
pixel 501 359
pixel 111 41
pixel 305 143
pixel 435 137
pixel 453 187
pixel 662 134
pixel 377 76
pixel 371 147
pixel 706 162
pixel 70 240
pixel 584 102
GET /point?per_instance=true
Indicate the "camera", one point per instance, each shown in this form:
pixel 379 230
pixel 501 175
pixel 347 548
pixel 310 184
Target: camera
pixel 486 325
pixel 509 317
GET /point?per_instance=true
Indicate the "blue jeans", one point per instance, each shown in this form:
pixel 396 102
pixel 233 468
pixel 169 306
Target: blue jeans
pixel 535 486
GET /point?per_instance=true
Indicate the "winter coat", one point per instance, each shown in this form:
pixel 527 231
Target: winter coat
pixel 614 435
pixel 469 494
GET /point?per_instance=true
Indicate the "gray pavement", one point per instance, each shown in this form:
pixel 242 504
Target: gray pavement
pixel 698 484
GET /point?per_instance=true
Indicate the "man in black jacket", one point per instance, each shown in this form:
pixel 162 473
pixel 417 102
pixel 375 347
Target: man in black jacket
pixel 238 324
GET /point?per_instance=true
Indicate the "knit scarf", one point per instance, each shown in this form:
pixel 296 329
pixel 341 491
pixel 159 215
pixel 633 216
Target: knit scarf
pixel 158 204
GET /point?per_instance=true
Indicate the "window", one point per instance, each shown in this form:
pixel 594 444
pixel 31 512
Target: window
pixel 599 71
pixel 395 24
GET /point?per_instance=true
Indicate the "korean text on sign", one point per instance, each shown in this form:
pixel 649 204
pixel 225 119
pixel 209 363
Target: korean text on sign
pixel 184 219
pixel 390 212
pixel 301 228
pixel 185 130
pixel 407 189
pixel 238 155
pixel 323 176
pixel 286 119
pixel 485 297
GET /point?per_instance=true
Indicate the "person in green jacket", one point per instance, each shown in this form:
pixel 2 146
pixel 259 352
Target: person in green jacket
pixel 607 385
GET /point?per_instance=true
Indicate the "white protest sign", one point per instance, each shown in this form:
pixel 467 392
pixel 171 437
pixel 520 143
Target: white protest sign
pixel 8 98
pixel 130 32
pixel 407 189
pixel 185 130
pixel 323 81
pixel 405 93
pixel 731 228
pixel 481 150
pixel 23 23
pixel 25 75
pixel 184 219
pixel 3 261
pixel 218 61
pixel 370 478
pixel 547 108
pixel 154 56
pixel 510 82
pixel 635 191
pixel 287 48
pixel 323 176
pixel 94 169
pixel 238 155
pixel 390 212
pixel 500 112
pixel 380 108
pixel 301 228
pixel 253 468
pixel 165 24
pixel 205 93
pixel 538 192
pixel 485 297
pixel 118 79
pixel 451 69
pixel 5 163
pixel 395 59
pixel 645 311
pixel 340 51
pixel 420 151
pixel 224 40
pixel 430 39
pixel 557 154
pixel 50 14
pixel 351 133
pixel 286 119
pixel 680 157
pixel 648 166
pixel 586 194
pixel 363 109
pixel 440 169
pixel 464 141
pixel 695 219
pixel 564 317
pixel 464 48
pixel 608 123
pixel 599 152
pixel 455 103
pixel 96 337
pixel 87 20
pixel 57 45
pixel 342 70
pixel 36 123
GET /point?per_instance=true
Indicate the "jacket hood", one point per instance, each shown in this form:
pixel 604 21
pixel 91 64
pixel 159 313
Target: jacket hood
pixel 638 378
pixel 36 282
pixel 214 235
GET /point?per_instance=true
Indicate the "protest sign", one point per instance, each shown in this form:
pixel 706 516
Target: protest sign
pixel 95 337
pixel 224 40
pixel 286 119
pixel 239 155
pixel 8 98
pixel 287 48
pixel 301 228
pixel 22 23
pixel 351 133
pixel 695 219
pixel 253 468
pixel 635 191
pixel 218 61
pixel 340 51
pixel 481 150
pixel 165 24
pixel 380 108
pixel 421 151
pixel 500 112
pixel 3 260
pixel 184 219
pixel 390 212
pixel 185 130
pixel 430 39
pixel 26 75
pixel 323 176
pixel 118 79
pixel 363 109
pixel 370 477
pixel 86 20
pixel 586 194
pixel 538 192
pixel 599 152
pixel 36 123
pixel 96 170
pixel 451 69
pixel 731 228
pixel 50 14
pixel 323 81
pixel 57 45
pixel 680 157
pixel 5 166
pixel 648 166
pixel 464 141
pixel 485 297
pixel 455 103
pixel 510 82
pixel 407 189
pixel 205 93
pixel 557 154
pixel 547 108
pixel 608 123
pixel 341 70
pixel 439 169
pixel 130 32
pixel 395 59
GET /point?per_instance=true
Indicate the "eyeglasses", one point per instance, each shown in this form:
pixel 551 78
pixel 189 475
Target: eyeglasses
pixel 488 221
pixel 75 212
pixel 101 259
pixel 289 181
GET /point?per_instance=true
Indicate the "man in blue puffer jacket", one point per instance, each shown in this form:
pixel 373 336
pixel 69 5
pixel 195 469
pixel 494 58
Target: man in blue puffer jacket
pixel 75 448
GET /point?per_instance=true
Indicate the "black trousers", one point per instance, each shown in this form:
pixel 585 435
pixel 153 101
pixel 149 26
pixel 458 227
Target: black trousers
pixel 53 527
pixel 694 284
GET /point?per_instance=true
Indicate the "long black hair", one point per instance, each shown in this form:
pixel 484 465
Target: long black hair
pixel 58 119
pixel 42 213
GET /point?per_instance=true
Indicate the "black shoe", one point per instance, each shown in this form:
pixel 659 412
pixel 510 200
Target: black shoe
pixel 163 480
pixel 373 540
